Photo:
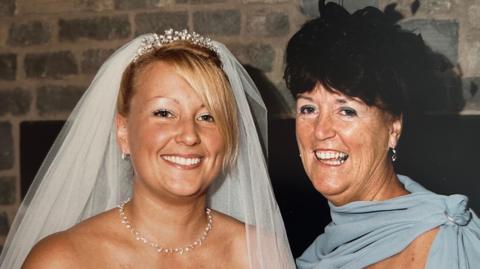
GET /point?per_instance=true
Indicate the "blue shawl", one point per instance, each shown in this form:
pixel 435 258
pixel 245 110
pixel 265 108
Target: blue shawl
pixel 364 232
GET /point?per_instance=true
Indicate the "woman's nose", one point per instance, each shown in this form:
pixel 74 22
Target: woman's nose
pixel 187 133
pixel 324 127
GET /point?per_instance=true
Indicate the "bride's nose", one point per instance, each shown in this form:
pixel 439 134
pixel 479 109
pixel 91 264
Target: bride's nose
pixel 187 133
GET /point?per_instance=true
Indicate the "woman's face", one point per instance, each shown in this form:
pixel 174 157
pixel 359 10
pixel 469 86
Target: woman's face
pixel 174 142
pixel 344 144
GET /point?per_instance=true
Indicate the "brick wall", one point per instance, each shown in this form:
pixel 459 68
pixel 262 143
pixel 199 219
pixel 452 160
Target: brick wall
pixel 50 50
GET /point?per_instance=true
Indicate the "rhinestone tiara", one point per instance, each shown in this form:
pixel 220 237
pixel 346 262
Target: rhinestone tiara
pixel 155 41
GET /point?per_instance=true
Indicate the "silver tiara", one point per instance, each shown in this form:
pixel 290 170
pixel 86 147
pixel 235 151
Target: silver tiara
pixel 155 41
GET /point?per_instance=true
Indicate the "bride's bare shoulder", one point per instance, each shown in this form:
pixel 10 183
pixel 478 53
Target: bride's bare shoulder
pixel 231 238
pixel 71 248
pixel 54 251
pixel 229 226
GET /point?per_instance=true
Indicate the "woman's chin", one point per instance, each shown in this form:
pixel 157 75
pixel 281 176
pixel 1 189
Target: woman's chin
pixel 187 190
pixel 328 187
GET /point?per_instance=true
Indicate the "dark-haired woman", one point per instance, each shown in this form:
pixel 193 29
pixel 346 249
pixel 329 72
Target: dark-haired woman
pixel 351 74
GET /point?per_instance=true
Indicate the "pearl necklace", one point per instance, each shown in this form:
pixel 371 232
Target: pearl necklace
pixel 180 250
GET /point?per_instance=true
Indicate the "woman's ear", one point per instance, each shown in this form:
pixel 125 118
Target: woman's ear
pixel 395 131
pixel 122 133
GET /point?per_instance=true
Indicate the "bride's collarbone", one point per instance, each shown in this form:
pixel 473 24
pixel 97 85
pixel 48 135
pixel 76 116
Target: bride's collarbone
pixel 143 257
pixel 104 243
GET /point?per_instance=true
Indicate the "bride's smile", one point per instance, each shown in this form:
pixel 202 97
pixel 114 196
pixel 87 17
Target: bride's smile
pixel 183 162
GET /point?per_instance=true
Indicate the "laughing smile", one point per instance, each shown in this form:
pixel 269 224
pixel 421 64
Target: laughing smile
pixel 331 157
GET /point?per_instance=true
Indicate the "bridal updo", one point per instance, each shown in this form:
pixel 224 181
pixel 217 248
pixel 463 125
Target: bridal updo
pixel 202 69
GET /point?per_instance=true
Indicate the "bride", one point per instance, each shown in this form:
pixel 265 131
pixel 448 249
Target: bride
pixel 159 166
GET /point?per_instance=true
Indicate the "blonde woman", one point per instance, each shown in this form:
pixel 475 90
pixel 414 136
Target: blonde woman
pixel 160 166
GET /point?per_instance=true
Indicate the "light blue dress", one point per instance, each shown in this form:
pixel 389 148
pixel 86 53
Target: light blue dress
pixel 363 233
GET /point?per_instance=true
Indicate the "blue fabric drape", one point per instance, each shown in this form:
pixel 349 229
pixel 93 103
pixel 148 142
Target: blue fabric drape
pixel 364 232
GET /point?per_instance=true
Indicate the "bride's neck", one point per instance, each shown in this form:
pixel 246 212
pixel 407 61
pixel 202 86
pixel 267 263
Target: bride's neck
pixel 171 224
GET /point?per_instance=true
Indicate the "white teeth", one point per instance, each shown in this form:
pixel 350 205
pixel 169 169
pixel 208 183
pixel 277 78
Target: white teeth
pixel 331 157
pixel 181 160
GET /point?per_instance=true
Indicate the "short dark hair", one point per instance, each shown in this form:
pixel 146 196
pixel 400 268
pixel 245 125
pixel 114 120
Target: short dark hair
pixel 364 55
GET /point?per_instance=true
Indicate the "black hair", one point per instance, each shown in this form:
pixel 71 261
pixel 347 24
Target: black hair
pixel 364 55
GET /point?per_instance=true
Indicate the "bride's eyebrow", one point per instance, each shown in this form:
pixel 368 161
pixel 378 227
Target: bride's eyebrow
pixel 161 97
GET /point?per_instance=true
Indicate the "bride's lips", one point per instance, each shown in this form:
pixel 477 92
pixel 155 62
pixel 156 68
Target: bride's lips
pixel 331 157
pixel 183 161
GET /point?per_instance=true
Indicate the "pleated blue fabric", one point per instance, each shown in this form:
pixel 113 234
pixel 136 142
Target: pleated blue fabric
pixel 363 233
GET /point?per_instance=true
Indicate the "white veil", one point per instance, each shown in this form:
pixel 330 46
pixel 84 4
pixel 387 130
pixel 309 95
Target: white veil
pixel 83 173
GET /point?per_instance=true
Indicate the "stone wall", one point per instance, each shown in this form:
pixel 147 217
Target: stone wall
pixel 51 49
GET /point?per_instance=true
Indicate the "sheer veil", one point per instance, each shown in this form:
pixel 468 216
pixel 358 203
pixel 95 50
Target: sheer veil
pixel 83 173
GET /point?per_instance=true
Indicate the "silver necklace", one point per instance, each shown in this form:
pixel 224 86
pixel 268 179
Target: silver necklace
pixel 180 250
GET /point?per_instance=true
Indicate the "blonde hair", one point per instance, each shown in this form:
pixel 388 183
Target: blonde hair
pixel 202 69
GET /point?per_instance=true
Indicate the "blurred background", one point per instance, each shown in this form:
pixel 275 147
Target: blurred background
pixel 51 49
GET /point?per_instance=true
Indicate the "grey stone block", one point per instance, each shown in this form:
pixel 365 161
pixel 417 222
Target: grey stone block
pixel 7 7
pixel 129 4
pixel 264 1
pixel 6 145
pixel 100 28
pixel 30 33
pixel 7 190
pixel 257 55
pixel 50 65
pixel 268 24
pixel 474 15
pixel 57 99
pixel 93 59
pixel 219 22
pixel 433 6
pixel 310 7
pixel 161 21
pixel 8 66
pixel 4 224
pixel 16 101
pixel 206 1
pixel 440 35
pixel 93 5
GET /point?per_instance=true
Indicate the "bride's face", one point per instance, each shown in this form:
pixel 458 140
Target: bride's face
pixel 173 140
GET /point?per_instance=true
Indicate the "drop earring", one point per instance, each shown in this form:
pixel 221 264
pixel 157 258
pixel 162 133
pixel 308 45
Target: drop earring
pixel 124 155
pixel 394 154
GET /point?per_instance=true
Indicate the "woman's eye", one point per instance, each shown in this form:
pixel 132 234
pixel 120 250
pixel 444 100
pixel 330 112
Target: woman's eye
pixel 307 109
pixel 348 111
pixel 206 117
pixel 163 113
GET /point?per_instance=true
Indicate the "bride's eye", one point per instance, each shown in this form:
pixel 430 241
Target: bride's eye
pixel 206 117
pixel 163 113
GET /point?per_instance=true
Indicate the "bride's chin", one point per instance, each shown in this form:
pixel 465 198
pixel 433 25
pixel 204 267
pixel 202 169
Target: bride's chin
pixel 186 190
